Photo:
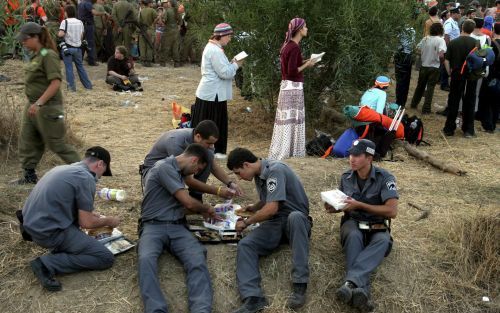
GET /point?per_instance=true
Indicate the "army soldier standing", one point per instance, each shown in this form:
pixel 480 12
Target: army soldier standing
pixel 57 207
pixel 163 227
pixel 43 115
pixel 169 45
pixel 99 26
pixel 189 49
pixel 123 14
pixel 147 17
pixel 365 226
pixel 283 211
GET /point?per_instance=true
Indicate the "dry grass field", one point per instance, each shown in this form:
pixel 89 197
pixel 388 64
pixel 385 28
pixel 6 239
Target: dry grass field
pixel 445 261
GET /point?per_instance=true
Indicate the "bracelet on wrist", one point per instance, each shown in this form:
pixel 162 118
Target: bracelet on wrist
pixel 218 190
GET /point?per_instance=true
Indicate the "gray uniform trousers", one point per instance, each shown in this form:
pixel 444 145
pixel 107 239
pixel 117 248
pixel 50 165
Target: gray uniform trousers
pixel 73 251
pixel 362 260
pixel 263 241
pixel 155 238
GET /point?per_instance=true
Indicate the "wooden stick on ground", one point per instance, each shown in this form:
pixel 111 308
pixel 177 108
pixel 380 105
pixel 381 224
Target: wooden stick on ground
pixel 424 156
pixel 425 212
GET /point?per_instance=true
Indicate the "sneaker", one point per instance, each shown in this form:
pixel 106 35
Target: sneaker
pixel 447 88
pixel 252 305
pixel 44 276
pixel 344 293
pixel 469 135
pixel 361 300
pixel 298 297
pixel 220 156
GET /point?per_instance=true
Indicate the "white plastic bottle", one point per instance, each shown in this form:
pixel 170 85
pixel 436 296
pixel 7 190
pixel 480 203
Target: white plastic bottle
pixel 112 194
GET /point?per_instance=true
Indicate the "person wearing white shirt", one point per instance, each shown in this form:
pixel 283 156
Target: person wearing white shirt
pixel 71 30
pixel 215 87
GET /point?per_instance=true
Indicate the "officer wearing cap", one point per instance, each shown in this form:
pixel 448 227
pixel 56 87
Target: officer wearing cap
pixel 175 141
pixel 283 214
pixel 365 227
pixel 451 29
pixel 163 227
pixel 43 115
pixel 61 203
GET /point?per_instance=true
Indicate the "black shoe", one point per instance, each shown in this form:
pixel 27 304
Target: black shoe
pixel 448 133
pixel 445 88
pixel 28 178
pixel 469 135
pixel 252 305
pixel 361 300
pixel 298 297
pixel 46 279
pixel 344 293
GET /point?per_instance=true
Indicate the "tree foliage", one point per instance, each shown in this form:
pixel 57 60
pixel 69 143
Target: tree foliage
pixel 359 38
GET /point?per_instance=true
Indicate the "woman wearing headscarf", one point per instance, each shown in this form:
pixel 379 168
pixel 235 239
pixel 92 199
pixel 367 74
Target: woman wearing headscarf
pixel 376 97
pixel 43 115
pixel 215 87
pixel 289 133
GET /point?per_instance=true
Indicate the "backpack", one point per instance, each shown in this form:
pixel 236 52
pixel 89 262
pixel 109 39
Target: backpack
pixel 318 145
pixel 476 62
pixel 33 16
pixel 414 129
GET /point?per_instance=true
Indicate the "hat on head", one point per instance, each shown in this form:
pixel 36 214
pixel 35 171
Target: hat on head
pixel 474 3
pixel 164 1
pixel 382 81
pixel 470 11
pixel 362 146
pixel 101 154
pixel 28 29
pixel 488 22
pixel 223 29
pixel 454 10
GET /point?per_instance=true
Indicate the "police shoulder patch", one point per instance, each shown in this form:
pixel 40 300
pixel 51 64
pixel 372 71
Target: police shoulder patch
pixel 44 52
pixel 272 183
pixel 391 185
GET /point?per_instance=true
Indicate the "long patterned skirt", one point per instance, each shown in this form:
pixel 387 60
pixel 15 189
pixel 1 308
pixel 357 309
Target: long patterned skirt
pixel 289 134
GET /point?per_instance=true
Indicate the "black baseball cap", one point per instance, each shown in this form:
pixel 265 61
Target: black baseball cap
pixel 101 154
pixel 27 30
pixel 362 146
pixel 454 10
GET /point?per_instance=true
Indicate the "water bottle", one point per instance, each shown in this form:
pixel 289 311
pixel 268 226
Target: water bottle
pixel 112 194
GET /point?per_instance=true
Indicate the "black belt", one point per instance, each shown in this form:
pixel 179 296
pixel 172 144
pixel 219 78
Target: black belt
pixel 181 221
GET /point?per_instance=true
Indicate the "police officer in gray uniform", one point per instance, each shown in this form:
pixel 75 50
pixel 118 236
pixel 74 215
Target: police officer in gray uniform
pixel 163 227
pixel 61 203
pixel 365 226
pixel 283 211
pixel 174 142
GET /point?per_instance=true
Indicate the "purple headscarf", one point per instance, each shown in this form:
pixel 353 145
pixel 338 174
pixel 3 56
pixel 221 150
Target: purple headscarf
pixel 293 27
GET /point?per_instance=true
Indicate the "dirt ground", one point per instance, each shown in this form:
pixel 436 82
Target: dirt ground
pixel 420 275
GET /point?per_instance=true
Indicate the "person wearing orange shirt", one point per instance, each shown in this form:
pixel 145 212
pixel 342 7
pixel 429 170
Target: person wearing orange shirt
pixel 11 10
pixel 35 13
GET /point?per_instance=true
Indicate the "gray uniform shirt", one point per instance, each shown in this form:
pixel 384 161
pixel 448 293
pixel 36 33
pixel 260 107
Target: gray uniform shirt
pixel 162 181
pixel 379 187
pixel 173 142
pixel 277 182
pixel 53 204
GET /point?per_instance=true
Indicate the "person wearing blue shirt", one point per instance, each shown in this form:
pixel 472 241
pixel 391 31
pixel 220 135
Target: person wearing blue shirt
pixel 376 97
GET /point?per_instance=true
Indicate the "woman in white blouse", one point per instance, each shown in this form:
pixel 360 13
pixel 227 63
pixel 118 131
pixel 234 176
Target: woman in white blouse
pixel 215 86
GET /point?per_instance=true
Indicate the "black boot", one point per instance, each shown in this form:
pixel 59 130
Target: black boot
pixel 29 177
pixel 298 297
pixel 344 293
pixel 252 305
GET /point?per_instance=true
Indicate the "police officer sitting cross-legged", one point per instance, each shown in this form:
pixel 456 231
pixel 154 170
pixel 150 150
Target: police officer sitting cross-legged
pixel 163 226
pixel 174 142
pixel 365 226
pixel 283 212
pixel 61 203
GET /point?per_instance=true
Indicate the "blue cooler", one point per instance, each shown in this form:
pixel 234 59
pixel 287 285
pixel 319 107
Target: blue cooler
pixel 344 143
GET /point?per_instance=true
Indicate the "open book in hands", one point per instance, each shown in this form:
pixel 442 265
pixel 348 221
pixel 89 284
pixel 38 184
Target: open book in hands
pixel 240 56
pixel 315 58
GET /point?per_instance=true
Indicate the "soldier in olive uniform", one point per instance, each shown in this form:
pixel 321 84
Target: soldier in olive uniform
pixel 53 11
pixel 99 26
pixel 169 45
pixel 147 17
pixel 43 114
pixel 189 48
pixel 123 14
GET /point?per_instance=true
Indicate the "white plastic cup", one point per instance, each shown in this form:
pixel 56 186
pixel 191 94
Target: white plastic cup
pixel 112 194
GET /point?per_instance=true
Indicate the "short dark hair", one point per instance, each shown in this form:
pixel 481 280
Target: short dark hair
pixel 496 28
pixel 215 37
pixel 198 151
pixel 433 11
pixel 436 29
pixel 468 26
pixel 497 2
pixel 122 50
pixel 70 10
pixel 207 129
pixel 479 22
pixel 239 156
